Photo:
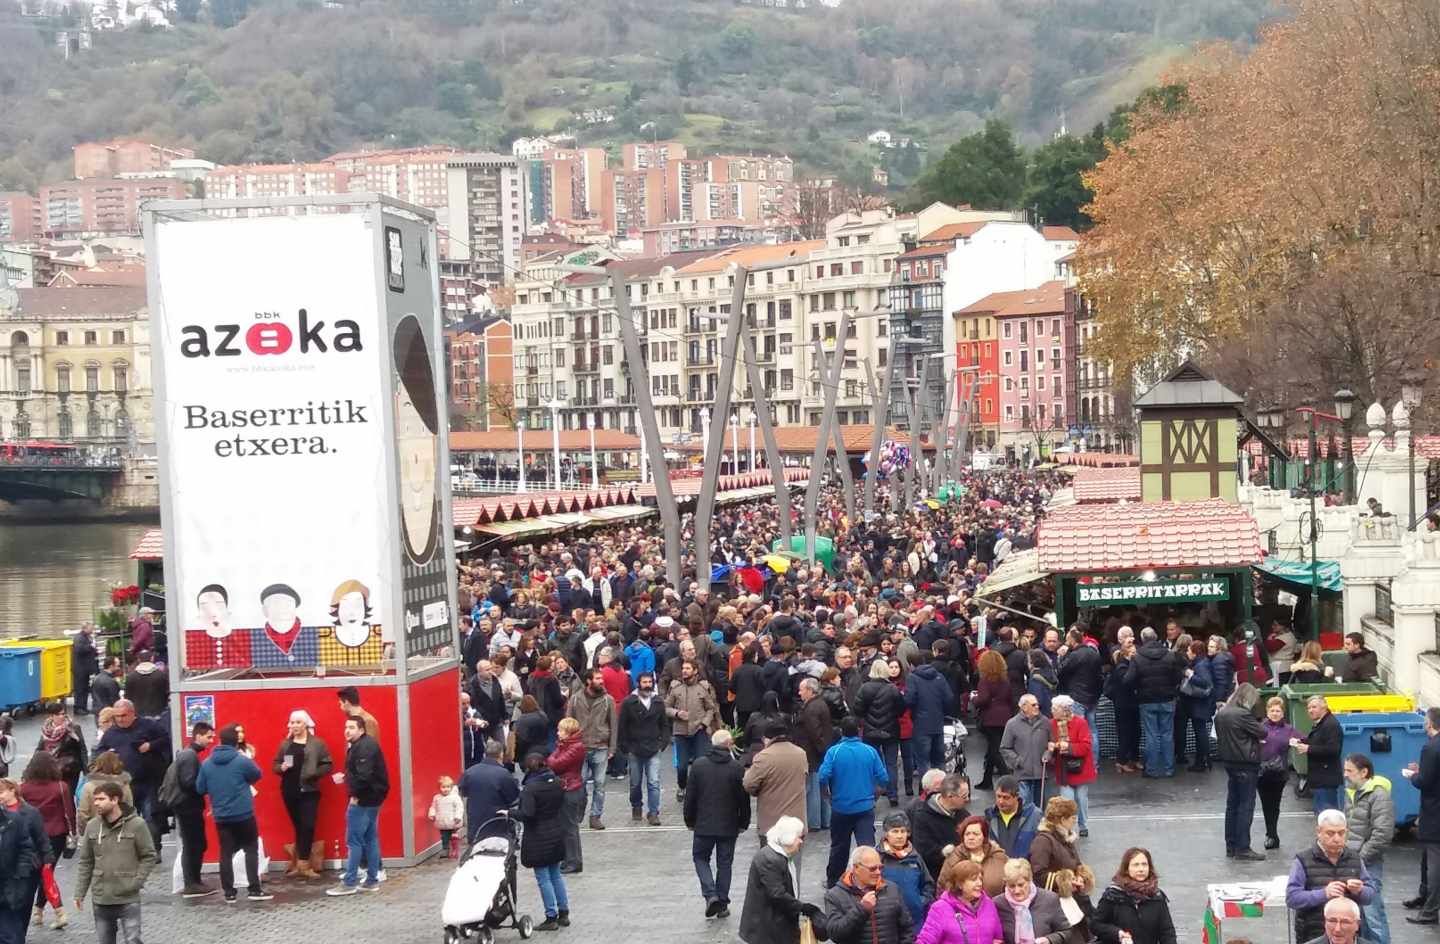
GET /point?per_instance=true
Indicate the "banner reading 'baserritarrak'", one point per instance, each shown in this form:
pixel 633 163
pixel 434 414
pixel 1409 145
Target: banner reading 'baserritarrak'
pixel 281 394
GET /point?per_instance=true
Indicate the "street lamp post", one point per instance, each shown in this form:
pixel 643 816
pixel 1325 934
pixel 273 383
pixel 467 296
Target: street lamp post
pixel 751 467
pixel 1345 409
pixel 555 406
pixel 705 435
pixel 520 449
pixel 594 462
pixel 1412 390
pixel 1310 466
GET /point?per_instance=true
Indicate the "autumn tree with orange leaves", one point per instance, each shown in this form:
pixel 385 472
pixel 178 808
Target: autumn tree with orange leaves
pixel 1282 221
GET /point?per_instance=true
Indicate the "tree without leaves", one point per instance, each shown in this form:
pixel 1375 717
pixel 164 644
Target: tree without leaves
pixel 500 402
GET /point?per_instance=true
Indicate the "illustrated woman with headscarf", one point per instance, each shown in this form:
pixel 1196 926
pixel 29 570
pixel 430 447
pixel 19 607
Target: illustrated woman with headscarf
pixel 417 424
pixel 351 640
pixel 303 761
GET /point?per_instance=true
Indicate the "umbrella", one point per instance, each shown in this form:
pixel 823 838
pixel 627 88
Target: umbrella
pixel 932 503
pixel 991 503
pixel 776 563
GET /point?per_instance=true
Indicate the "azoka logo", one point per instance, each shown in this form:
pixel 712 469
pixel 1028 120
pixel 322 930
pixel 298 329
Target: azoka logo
pixel 270 335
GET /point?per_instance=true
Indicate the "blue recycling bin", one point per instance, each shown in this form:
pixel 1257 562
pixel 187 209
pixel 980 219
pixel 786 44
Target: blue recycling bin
pixel 19 678
pixel 1392 740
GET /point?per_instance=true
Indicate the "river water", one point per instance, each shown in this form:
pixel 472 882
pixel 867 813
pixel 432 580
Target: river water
pixel 55 576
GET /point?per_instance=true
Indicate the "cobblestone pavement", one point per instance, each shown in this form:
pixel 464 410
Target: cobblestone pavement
pixel 639 881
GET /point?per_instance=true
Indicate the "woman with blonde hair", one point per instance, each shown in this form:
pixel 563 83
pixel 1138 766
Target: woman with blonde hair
pixel 303 761
pixel 1028 913
pixel 1310 668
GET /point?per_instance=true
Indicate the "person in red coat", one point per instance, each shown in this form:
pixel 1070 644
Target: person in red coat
pixel 565 763
pixel 1070 746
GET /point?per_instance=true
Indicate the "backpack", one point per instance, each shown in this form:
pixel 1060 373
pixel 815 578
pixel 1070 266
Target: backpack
pixel 171 794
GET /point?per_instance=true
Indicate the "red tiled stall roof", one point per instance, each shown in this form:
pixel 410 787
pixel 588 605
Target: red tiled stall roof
pixel 689 486
pixel 800 440
pixel 1141 536
pixel 151 546
pixel 468 512
pixel 541 440
pixel 1107 483
pixel 1097 459
pixel 1427 447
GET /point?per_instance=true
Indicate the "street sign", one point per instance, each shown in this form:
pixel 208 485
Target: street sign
pixel 1152 591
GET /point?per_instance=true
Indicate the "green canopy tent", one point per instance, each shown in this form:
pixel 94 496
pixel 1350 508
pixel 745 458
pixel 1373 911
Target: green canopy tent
pixel 1296 575
pixel 824 549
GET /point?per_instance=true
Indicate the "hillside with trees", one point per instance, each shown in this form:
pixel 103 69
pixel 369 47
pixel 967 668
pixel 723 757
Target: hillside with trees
pixel 280 80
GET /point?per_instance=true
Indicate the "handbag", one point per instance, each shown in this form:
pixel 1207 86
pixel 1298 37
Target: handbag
pixel 807 931
pixel 52 889
pixel 1073 765
pixel 1273 768
pixel 1189 689
pixel 72 841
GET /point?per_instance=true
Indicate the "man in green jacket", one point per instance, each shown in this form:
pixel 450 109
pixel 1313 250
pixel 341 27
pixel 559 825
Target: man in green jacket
pixel 117 850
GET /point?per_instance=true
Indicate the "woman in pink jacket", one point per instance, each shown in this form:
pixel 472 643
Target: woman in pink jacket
pixel 963 913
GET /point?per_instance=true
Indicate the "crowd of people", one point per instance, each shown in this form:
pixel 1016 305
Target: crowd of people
pixel 789 699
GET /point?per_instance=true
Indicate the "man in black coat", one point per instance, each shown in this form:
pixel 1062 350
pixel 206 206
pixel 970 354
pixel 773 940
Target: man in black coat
pixel 815 731
pixel 1240 734
pixel 717 810
pixel 1155 674
pixel 487 788
pixel 639 736
pixel 105 685
pixel 487 699
pixel 1425 777
pixel 1323 746
pixel 17 875
pixel 862 909
pixel 1017 666
pixel 933 820
pixel 367 779
pixel 84 663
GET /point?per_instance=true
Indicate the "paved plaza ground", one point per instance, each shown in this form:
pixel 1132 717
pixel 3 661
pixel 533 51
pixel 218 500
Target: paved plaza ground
pixel 639 883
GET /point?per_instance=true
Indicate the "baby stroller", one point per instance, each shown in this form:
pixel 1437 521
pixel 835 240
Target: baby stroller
pixel 481 895
pixel 954 741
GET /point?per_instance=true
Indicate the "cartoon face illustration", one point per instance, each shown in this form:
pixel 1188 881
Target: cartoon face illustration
pixel 213 602
pixel 350 610
pixel 416 425
pixel 280 604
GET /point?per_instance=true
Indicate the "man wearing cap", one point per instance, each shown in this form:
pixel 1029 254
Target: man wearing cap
pixel 283 642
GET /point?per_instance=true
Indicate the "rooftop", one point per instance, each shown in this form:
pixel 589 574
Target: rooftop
pixel 1107 483
pixel 1188 385
pixel 749 256
pixel 953 231
pixel 1141 536
pixel 540 440
pixel 1044 300
pixel 81 302
pixel 1059 233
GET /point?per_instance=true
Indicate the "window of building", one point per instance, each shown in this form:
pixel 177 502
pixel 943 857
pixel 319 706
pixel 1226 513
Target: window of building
pixel 560 357
pixel 837 268
pixel 857 267
pixel 1055 327
pixel 1039 356
pixel 1023 326
pixel 122 378
pixel 1008 359
pixel 22 378
pixel 92 337
pixel 819 272
pixel 922 268
pixel 62 378
pixel 882 328
pixel 1055 382
pixel 885 264
pixel 1009 412
pixel 1040 382
pixel 882 357
pixel 1009 385
pixel 92 425
pixel 1005 330
pixel 787 380
pixel 1054 355
pixel 844 241
pixel 1024 383
pixel 67 425
pixel 829 302
pixel 62 337
pixel 847 299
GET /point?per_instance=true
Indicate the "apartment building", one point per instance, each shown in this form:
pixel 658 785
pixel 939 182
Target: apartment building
pixel 124 156
pixel 19 217
pixel 486 216
pixel 415 175
pixel 977 358
pixel 571 181
pixel 258 181
pixel 1036 346
pixel 1102 416
pixel 670 238
pixel 102 205
pixel 632 200
pixel 651 155
pixel 480 362
pixel 75 364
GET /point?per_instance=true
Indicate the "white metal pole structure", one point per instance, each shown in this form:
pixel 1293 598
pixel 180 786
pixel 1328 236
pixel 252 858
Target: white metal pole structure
pixel 822 438
pixel 880 395
pixel 751 467
pixel 714 432
pixel 594 462
pixel 760 406
pixel 520 448
pixel 734 443
pixel 555 437
pixel 705 436
pixel 644 456
pixel 649 426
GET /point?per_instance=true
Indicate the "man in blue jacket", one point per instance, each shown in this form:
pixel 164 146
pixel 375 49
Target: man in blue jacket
pixel 853 773
pixel 1012 821
pixel 641 658
pixel 226 777
pixel 928 696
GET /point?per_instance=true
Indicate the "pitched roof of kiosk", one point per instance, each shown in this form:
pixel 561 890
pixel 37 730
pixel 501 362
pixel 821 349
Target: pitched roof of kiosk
pixel 1140 536
pixel 1188 385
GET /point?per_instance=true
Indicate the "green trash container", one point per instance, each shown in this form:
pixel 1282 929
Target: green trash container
pixel 824 549
pixel 1297 695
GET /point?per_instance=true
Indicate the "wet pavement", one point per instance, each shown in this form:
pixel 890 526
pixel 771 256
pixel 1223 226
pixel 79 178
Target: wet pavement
pixel 639 881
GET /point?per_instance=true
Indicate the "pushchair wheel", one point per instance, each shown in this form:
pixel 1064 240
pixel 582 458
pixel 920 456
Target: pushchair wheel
pixel 452 936
pixel 526 927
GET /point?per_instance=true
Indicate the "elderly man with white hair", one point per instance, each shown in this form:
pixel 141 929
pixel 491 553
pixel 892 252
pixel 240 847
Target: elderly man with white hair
pixel 1342 924
pixel 1024 744
pixel 772 908
pixel 717 810
pixel 1325 871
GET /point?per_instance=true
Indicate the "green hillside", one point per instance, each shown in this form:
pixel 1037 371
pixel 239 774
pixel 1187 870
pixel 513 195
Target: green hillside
pixel 279 80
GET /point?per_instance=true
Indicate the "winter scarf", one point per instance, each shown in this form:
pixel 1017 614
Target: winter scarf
pixel 1138 890
pixel 1024 920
